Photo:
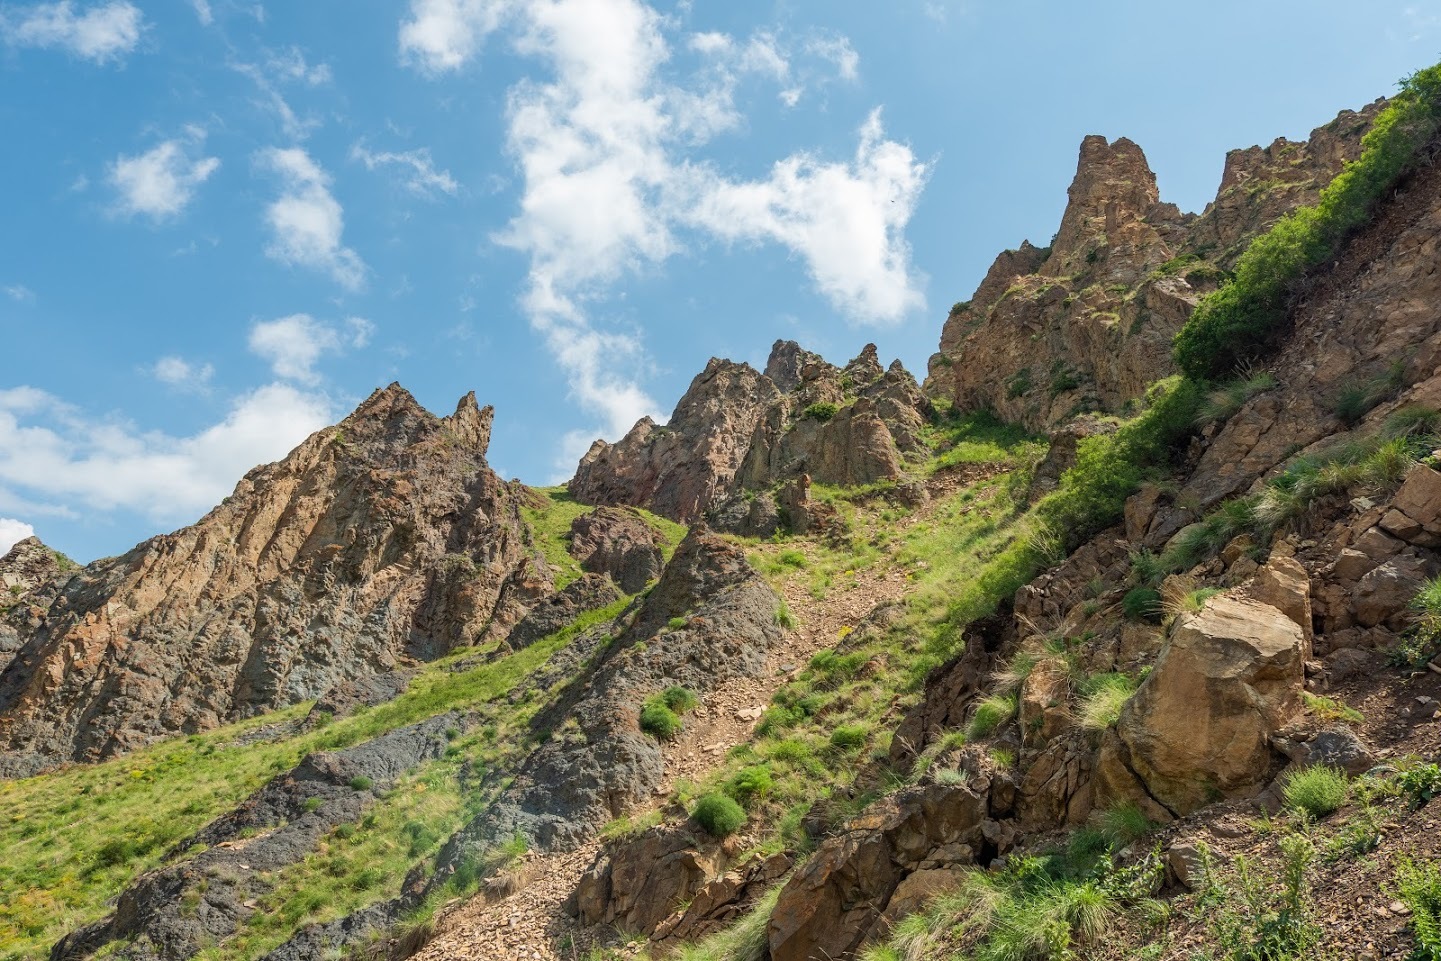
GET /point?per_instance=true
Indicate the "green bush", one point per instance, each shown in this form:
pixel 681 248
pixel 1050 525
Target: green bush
pixel 1420 783
pixel 718 814
pixel 679 699
pixel 1264 918
pixel 659 721
pixel 1142 603
pixel 749 784
pixel 1246 315
pixel 1316 791
pixel 1102 698
pixel 821 410
pixel 848 737
pixel 313 804
pixel 361 783
pixel 1420 890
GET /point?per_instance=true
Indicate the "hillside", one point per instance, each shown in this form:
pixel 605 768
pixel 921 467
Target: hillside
pixel 1098 645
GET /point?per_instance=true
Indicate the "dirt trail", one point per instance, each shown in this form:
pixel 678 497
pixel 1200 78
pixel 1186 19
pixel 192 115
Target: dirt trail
pixel 531 923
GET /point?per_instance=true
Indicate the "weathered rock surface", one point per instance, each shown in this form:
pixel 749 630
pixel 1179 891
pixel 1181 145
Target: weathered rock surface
pixel 598 762
pixel 837 900
pixel 560 609
pixel 172 913
pixel 1199 727
pixel 737 431
pixel 31 574
pixel 379 541
pixel 1087 323
pixel 641 881
pixel 618 543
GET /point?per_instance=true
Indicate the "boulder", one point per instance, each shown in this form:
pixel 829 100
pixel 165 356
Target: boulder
pixel 1415 514
pixel 1199 727
pixel 1284 584
pixel 640 881
pixel 1384 595
pixel 1371 549
pixel 838 899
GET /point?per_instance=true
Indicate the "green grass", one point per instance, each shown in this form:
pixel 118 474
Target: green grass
pixel 74 838
pixel 1102 697
pixel 1261 917
pixel 1316 791
pixel 989 715
pixel 1142 604
pixel 1329 709
pixel 1419 888
pixel 719 814
pixel 1248 313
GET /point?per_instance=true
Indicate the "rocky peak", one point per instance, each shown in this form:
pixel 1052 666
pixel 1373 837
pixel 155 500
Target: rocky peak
pixel 471 424
pixel 866 368
pixel 28 565
pixel 789 363
pixel 1008 265
pixel 376 542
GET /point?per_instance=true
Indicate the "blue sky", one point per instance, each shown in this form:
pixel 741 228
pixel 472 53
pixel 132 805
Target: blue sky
pixel 224 222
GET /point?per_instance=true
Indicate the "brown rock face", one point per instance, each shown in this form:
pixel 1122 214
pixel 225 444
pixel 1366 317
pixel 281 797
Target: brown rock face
pixel 31 574
pixel 1199 727
pixel 834 903
pixel 618 543
pixel 738 430
pixel 1087 323
pixel 381 540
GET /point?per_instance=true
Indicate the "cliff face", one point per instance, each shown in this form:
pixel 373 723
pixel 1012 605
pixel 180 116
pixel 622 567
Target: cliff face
pixel 740 430
pixel 1087 324
pixel 381 540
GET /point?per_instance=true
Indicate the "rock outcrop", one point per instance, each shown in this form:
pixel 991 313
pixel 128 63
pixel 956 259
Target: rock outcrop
pixel 1199 728
pixel 738 432
pixel 379 541
pixel 1086 324
pixel 620 544
pixel 31 574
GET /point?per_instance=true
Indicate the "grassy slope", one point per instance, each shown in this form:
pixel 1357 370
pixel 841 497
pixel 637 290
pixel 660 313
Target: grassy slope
pixel 75 838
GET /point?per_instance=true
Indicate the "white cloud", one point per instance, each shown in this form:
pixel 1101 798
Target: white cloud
pixel 294 345
pixel 179 373
pixel 442 35
pixel 12 532
pixel 162 181
pixel 291 65
pixel 101 33
pixel 18 292
pixel 837 50
pixel 279 69
pixel 306 222
pixel 846 220
pixel 611 187
pixel 203 11
pixel 73 463
pixel 418 169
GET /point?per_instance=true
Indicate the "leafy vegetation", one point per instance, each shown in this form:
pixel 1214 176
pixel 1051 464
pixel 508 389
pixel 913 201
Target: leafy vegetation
pixel 1419 888
pixel 821 410
pixel 1261 918
pixel 718 814
pixel 551 511
pixel 1316 791
pixel 1246 314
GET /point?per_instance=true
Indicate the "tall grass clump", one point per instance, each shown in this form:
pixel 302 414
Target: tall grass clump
pixel 1247 313
pixel 1102 698
pixel 990 714
pixel 1316 791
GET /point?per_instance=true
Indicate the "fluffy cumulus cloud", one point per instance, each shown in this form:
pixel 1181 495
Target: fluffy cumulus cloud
pixel 293 345
pixel 55 459
pixel 13 531
pixel 612 185
pixel 415 167
pixel 161 182
pixel 442 35
pixel 846 220
pixel 307 222
pixel 99 32
pixel 181 374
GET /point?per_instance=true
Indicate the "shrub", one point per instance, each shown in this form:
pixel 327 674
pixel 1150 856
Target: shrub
pixel 1420 890
pixel 1142 603
pixel 1420 783
pixel 361 783
pixel 991 714
pixel 718 814
pixel 792 558
pixel 848 737
pixel 1331 710
pixel 679 699
pixel 1316 791
pixel 313 804
pixel 785 620
pixel 1246 314
pixel 659 721
pixel 822 411
pixel 676 623
pixel 749 784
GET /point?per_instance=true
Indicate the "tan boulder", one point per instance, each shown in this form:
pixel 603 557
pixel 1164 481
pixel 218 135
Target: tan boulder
pixel 1415 514
pixel 1199 727
pixel 1384 595
pixel 1284 584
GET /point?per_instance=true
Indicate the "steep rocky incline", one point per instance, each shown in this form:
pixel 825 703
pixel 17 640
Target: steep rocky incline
pixel 383 540
pixel 737 430
pixel 1086 323
pixel 30 576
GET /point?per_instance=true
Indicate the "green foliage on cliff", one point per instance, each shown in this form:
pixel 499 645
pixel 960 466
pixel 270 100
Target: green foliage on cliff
pixel 1245 316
